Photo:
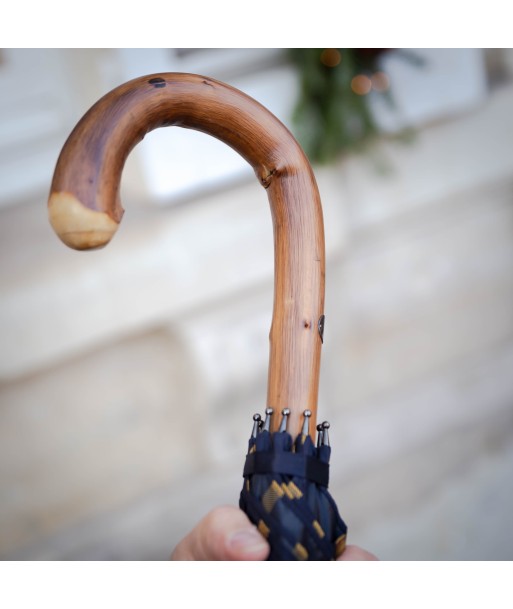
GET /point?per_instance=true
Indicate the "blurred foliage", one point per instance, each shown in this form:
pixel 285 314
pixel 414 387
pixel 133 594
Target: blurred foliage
pixel 332 114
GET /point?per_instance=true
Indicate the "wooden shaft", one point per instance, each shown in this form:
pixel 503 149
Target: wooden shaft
pixel 85 209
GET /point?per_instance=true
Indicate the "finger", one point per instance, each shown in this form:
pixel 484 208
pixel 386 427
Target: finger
pixel 224 534
pixel 356 553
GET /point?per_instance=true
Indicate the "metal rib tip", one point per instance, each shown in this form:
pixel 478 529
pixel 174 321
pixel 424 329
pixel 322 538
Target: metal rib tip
pixel 283 425
pixel 257 419
pixel 306 423
pixel 319 434
pixel 325 435
pixel 268 414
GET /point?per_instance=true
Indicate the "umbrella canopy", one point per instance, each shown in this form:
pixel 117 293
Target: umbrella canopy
pixel 285 492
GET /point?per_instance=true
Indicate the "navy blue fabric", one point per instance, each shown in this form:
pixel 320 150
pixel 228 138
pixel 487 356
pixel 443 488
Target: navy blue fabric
pixel 285 495
pixel 293 464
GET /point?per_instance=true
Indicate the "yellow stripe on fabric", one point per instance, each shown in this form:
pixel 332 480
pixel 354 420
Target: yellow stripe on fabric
pixel 294 490
pixel 263 528
pixel 300 551
pixel 340 545
pixel 287 491
pixel 271 496
pixel 318 529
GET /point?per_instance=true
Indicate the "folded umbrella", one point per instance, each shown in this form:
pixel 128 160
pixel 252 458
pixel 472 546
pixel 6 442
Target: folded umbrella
pixel 285 492
pixel 285 475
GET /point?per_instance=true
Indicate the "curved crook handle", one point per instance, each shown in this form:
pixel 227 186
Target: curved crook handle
pixel 85 209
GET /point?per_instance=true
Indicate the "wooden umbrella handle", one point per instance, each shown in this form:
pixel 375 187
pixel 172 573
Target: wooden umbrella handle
pixel 85 208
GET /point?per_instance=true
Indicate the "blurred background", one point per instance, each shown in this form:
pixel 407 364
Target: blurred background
pixel 129 376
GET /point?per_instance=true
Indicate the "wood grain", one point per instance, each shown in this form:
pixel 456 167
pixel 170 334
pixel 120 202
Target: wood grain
pixel 85 208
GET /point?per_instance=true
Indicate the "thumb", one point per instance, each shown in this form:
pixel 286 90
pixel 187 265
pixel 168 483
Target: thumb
pixel 224 534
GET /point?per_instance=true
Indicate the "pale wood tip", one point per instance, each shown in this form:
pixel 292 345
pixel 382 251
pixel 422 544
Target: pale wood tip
pixel 78 226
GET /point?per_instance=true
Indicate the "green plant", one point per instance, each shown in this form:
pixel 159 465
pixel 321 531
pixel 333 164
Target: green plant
pixel 332 114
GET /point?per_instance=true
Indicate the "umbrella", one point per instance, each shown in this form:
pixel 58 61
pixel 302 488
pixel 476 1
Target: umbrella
pixel 285 491
pixel 285 474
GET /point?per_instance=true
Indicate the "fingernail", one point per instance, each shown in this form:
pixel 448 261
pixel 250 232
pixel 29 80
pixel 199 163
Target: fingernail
pixel 247 541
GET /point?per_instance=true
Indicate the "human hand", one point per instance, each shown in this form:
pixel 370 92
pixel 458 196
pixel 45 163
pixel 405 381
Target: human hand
pixel 227 534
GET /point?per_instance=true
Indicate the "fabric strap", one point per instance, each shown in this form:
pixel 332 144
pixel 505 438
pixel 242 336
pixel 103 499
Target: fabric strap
pixel 291 464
